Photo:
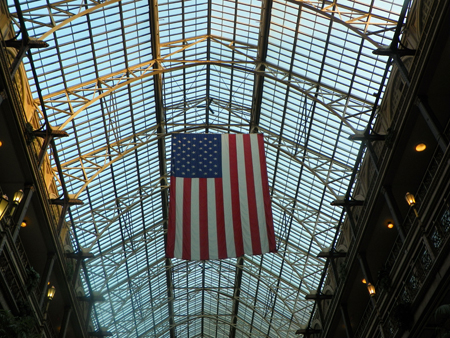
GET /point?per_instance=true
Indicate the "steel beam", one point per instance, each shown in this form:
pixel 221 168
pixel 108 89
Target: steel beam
pixel 263 42
pixel 160 120
pixel 236 294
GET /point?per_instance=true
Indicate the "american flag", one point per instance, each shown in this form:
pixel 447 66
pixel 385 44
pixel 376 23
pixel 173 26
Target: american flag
pixel 219 197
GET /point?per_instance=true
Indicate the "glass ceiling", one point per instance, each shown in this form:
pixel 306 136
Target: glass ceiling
pixel 121 76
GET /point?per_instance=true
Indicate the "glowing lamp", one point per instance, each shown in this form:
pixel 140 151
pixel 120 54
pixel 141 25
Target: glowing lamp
pixel 51 292
pixel 410 199
pixel 371 289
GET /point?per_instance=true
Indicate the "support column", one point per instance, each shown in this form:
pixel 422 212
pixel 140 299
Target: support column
pixel 43 284
pixel 395 212
pixel 365 268
pixel 65 322
pixel 346 319
pixel 432 122
pixel 22 210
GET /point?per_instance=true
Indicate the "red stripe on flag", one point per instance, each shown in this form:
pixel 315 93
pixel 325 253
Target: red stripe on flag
pixel 186 218
pixel 236 209
pixel 251 196
pixel 203 218
pixel 170 245
pixel 266 194
pixel 220 219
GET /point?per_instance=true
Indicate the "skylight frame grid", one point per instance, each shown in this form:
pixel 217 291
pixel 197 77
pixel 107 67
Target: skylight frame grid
pixel 166 33
pixel 289 112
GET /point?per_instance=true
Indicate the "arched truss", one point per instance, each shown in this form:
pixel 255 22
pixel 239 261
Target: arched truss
pixel 119 207
pixel 289 294
pixel 74 100
pixel 86 167
pixel 94 226
pixel 54 16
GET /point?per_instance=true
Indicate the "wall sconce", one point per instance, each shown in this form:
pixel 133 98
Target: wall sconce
pixel 16 200
pixel 4 204
pixel 51 292
pixel 18 197
pixel 410 199
pixel 371 289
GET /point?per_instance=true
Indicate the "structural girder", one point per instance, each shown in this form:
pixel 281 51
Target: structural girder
pixel 53 16
pixel 73 100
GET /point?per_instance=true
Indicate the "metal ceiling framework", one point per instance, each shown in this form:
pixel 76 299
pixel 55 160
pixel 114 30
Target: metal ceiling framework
pixel 122 76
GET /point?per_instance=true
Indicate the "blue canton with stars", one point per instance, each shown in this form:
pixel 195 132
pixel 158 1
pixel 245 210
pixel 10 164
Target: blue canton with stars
pixel 196 155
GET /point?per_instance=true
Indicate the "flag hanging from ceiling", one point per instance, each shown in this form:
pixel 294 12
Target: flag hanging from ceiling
pixel 219 197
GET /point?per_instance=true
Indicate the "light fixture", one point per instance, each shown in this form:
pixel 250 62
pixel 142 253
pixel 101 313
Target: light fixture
pixel 17 198
pixel 410 199
pixel 390 224
pixel 1 143
pixel 51 292
pixel 23 224
pixel 4 204
pixel 364 281
pixel 421 147
pixel 371 289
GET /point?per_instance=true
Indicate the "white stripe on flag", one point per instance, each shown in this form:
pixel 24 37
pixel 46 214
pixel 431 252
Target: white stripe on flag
pixel 259 193
pixel 212 219
pixel 243 198
pixel 226 182
pixel 178 250
pixel 195 219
